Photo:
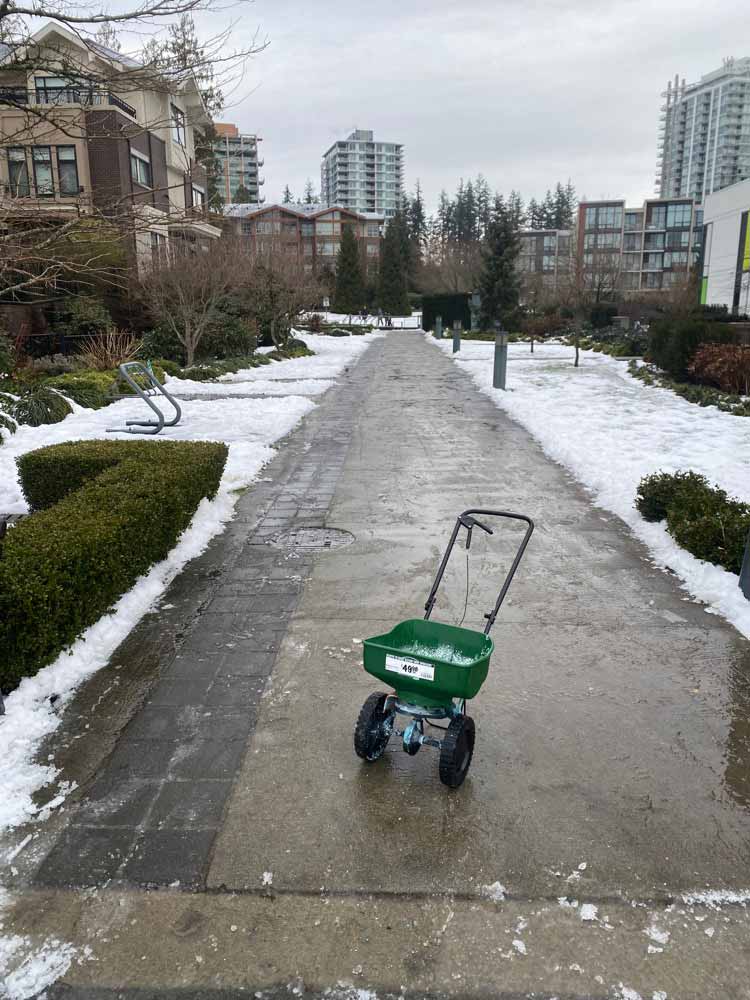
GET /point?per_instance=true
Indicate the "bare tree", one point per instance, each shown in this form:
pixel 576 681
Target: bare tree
pixel 279 291
pixel 591 278
pixel 184 289
pixel 454 267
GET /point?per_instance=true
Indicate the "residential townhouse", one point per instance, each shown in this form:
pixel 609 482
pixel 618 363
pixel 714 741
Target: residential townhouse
pixel 101 138
pixel 311 232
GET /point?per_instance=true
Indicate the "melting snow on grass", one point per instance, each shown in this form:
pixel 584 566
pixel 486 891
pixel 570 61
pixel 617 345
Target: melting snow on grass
pixel 610 430
pixel 249 427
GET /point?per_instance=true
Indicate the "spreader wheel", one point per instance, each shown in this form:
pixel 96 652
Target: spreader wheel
pixel 373 730
pixel 457 751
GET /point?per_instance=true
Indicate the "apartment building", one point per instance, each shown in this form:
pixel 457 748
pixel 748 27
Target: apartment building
pixel 725 264
pixel 363 175
pixel 543 259
pixel 639 249
pixel 704 133
pixel 75 144
pixel 240 164
pixel 311 232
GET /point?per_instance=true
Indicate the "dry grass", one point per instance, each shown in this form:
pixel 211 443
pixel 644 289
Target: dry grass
pixel 109 350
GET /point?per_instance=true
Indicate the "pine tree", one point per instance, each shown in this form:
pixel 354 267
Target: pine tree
pixel 310 194
pixel 532 214
pixel 498 285
pixel 483 197
pixel 288 196
pixel 393 295
pixel 417 221
pixel 349 290
pixel 547 212
pixel 570 205
pixel 516 210
pixel 242 196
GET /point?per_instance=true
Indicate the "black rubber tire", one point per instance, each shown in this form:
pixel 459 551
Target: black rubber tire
pixel 457 751
pixel 370 739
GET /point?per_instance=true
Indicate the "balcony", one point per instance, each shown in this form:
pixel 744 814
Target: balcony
pixel 86 97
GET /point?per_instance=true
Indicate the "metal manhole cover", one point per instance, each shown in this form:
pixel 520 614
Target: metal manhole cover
pixel 312 538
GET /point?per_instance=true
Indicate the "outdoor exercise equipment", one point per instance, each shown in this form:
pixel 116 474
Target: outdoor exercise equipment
pixel 435 669
pixel 153 388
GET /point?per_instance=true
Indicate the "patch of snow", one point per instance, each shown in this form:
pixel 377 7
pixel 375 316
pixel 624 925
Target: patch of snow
pixel 519 945
pixel 267 878
pixel 610 430
pixel 715 898
pixel 496 892
pixel 588 911
pixel 657 934
pixel 26 968
pixel 709 931
pixel 625 993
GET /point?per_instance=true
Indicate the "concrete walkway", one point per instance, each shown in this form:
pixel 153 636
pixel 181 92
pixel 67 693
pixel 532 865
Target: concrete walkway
pixel 611 766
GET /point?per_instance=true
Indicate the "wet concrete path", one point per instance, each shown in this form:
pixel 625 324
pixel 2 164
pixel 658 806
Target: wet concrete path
pixel 612 762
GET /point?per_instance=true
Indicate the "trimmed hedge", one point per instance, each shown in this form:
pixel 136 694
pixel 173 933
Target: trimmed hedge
pixel 91 389
pixel 700 517
pixel 104 513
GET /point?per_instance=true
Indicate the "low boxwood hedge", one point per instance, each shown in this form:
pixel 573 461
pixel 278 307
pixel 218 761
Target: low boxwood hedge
pixel 88 388
pixel 103 513
pixel 700 517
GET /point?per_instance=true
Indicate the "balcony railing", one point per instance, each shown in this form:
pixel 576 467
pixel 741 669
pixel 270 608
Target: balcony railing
pixel 21 97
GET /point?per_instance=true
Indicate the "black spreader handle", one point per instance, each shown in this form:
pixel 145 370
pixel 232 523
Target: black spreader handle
pixel 468 521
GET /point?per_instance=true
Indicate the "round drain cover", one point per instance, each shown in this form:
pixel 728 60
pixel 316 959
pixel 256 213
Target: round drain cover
pixel 312 538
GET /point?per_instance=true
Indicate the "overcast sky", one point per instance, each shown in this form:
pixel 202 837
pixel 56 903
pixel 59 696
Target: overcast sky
pixel 526 92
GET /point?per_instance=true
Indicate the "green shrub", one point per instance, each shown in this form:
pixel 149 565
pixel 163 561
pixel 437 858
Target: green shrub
pixel 201 373
pixel 673 343
pixel 168 367
pixel 337 331
pixel 91 389
pixel 700 517
pixel 295 348
pixel 85 316
pixel 40 405
pixel 6 423
pixel 713 530
pixel 161 343
pixel 104 513
pixel 657 492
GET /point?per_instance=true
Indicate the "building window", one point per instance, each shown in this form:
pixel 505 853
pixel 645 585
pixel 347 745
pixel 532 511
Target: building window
pixel 178 124
pixel 549 244
pixel 633 220
pixel 608 241
pixel 677 259
pixel 140 169
pixel 590 218
pixel 199 197
pixel 679 215
pixel 654 241
pixel 632 241
pixel 373 229
pixel 42 159
pixel 656 217
pixel 18 172
pixel 58 90
pixel 677 240
pixel 264 227
pixel 247 228
pixel 548 263
pixel 589 241
pixel 158 246
pixel 372 249
pixel 307 228
pixel 609 217
pixel 67 169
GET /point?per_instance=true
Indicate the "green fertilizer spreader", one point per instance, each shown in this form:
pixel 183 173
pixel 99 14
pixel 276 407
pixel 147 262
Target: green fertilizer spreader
pixel 435 669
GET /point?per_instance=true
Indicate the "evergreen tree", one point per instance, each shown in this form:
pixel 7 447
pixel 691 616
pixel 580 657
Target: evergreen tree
pixel 242 196
pixel 547 212
pixel 288 196
pixel 532 215
pixel 393 295
pixel 417 221
pixel 349 290
pixel 498 285
pixel 483 197
pixel 516 210
pixel 310 194
pixel 570 204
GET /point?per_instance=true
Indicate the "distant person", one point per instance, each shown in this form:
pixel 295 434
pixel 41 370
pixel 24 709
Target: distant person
pixel 380 317
pixel 364 314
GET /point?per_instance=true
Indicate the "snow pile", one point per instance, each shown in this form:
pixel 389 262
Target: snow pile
pixel 249 427
pixel 27 969
pixel 413 322
pixel 610 430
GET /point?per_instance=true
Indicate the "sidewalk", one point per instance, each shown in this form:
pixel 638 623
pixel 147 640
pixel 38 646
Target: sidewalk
pixel 611 764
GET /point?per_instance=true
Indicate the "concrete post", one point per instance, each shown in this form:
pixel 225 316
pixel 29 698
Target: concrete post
pixel 456 336
pixel 745 571
pixel 501 357
pixel 438 332
pixel 475 304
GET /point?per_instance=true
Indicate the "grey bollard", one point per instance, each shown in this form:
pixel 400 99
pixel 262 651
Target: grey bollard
pixel 438 332
pixel 456 336
pixel 501 358
pixel 745 571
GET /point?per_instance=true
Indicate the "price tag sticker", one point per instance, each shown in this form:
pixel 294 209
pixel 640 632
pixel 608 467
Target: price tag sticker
pixel 409 668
